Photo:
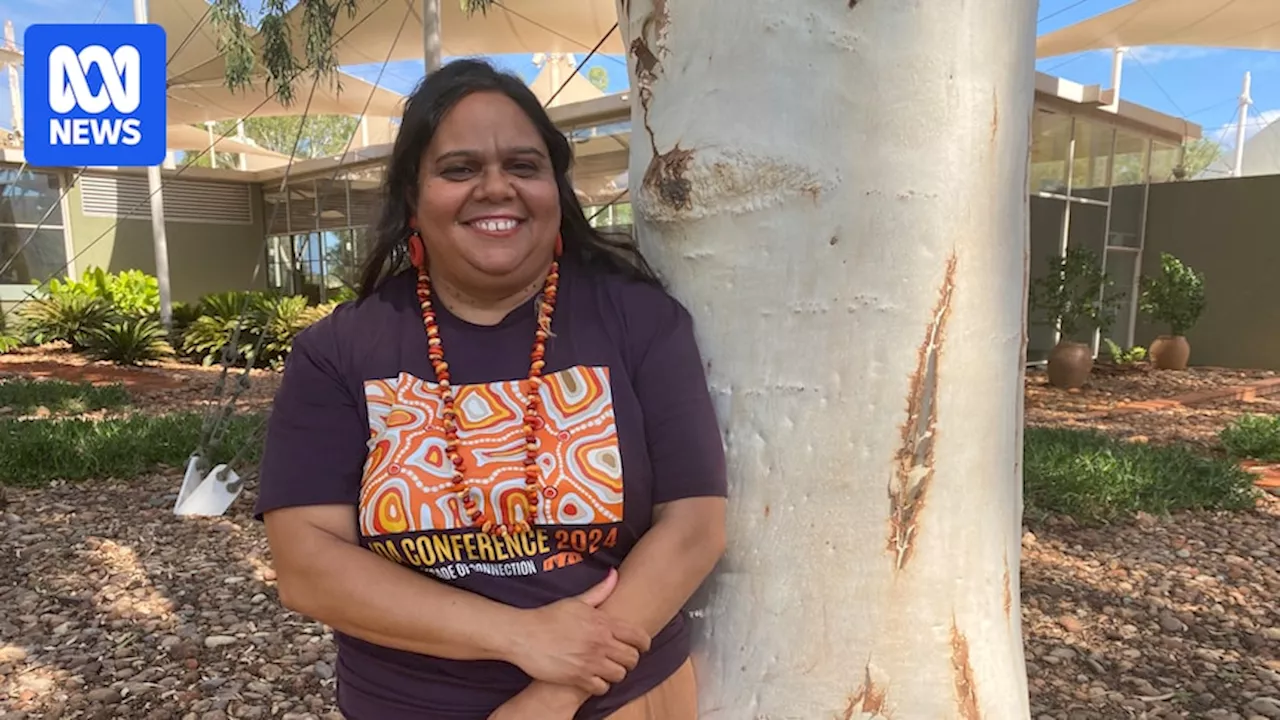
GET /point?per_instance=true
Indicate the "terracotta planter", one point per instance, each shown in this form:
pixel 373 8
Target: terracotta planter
pixel 1170 352
pixel 1070 364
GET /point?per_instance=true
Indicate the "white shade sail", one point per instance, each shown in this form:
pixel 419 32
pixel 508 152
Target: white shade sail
pixel 1253 24
pixel 198 95
pixel 186 137
pixel 509 26
pixel 203 102
pixel 549 80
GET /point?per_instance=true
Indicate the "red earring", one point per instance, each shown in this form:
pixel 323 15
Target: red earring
pixel 559 245
pixel 417 251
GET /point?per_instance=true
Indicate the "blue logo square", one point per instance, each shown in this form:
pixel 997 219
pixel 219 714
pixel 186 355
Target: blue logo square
pixel 94 95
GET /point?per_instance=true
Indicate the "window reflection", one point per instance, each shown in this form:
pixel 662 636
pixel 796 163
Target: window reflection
pixel 30 200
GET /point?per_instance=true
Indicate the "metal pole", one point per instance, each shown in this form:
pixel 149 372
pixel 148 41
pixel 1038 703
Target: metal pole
pixel 157 215
pixel 1117 72
pixel 1242 123
pixel 242 137
pixel 432 52
pixel 15 89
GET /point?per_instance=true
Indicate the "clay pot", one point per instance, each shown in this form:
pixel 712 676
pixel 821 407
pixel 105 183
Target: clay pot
pixel 1070 364
pixel 1170 352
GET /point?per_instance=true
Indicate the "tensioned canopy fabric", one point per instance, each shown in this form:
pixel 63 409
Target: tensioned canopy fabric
pixel 547 83
pixel 1207 23
pixel 509 26
pixel 186 137
pixel 195 98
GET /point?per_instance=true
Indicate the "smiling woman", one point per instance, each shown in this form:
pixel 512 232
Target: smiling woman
pixel 497 474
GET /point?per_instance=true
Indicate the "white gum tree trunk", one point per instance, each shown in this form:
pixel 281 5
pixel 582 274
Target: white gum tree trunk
pixel 837 189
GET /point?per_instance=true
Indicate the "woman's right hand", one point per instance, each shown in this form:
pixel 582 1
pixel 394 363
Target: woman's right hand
pixel 572 642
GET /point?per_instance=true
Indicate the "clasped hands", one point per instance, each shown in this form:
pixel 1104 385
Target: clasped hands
pixel 572 650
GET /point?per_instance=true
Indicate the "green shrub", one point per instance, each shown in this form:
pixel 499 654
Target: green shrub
pixel 1175 297
pixel 67 316
pixel 1256 437
pixel 268 325
pixel 34 452
pixel 24 395
pixel 130 292
pixel 183 315
pixel 1075 296
pixel 1095 478
pixel 129 340
pixel 8 341
pixel 1119 356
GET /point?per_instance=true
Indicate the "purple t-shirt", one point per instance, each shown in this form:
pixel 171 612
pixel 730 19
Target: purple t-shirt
pixel 630 424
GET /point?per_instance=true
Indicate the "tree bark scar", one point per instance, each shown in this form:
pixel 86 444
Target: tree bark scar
pixel 962 674
pixel 995 116
pixel 665 179
pixel 646 72
pixel 913 471
pixel 852 3
pixel 646 49
pixel 1008 590
pixel 868 699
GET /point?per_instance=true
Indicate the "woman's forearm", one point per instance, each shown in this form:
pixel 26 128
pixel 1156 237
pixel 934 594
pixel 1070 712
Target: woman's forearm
pixel 369 597
pixel 669 562
pixel 658 577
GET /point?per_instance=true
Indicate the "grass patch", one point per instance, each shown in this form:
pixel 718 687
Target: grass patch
pixel 1095 478
pixel 33 452
pixel 1256 437
pixel 25 396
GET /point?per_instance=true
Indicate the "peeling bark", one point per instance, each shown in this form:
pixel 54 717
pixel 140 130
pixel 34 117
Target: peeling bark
pixel 913 475
pixel 869 700
pixel 995 116
pixel 681 185
pixel 962 670
pixel 1008 590
pixel 666 183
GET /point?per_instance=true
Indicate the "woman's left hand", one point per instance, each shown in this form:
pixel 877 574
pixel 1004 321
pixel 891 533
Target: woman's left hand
pixel 544 701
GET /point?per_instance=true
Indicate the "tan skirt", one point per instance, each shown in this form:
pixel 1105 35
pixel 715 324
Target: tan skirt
pixel 675 699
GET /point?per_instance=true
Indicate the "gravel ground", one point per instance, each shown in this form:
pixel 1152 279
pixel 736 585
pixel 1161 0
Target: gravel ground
pixel 114 608
pixel 123 611
pixel 1171 618
pixel 1195 425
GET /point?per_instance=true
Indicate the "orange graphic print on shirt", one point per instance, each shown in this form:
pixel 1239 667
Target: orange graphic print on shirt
pixel 408 478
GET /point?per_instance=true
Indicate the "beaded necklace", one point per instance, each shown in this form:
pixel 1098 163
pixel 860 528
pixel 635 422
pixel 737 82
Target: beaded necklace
pixel 530 387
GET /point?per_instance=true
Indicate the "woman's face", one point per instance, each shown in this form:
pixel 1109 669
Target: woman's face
pixel 488 206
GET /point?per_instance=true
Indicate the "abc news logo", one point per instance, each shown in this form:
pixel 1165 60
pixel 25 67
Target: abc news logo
pixel 95 95
pixel 69 89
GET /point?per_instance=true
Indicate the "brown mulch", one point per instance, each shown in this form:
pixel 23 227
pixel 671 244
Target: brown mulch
pixel 1110 388
pixel 114 608
pixel 161 387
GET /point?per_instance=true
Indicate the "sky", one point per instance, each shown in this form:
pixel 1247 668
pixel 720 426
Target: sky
pixel 1199 84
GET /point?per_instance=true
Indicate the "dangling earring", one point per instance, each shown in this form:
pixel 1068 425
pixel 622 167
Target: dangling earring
pixel 417 251
pixel 559 245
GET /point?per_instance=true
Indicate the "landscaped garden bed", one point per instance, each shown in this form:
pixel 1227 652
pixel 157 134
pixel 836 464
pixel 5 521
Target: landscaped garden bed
pixel 1149 579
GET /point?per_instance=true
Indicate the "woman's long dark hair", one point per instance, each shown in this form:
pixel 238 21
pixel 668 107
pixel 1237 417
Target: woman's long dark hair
pixel 427 106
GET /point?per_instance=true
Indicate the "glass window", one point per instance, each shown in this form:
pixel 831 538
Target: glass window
pixel 1091 160
pixel 1130 160
pixel 1050 146
pixel 44 255
pixel 1165 161
pixel 31 255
